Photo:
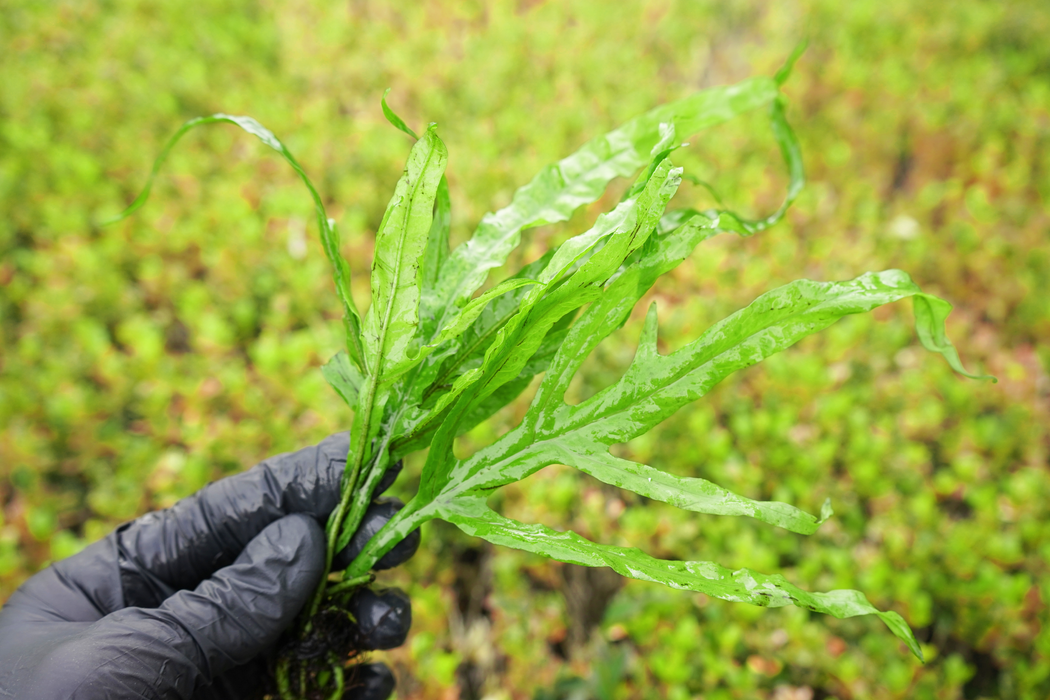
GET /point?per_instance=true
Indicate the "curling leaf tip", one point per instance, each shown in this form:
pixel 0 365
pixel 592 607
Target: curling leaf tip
pixel 784 72
pixel 396 121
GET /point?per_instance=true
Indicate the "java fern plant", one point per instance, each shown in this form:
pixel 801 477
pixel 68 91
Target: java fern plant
pixel 431 358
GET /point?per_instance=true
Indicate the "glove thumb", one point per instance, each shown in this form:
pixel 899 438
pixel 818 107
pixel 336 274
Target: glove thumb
pixel 243 608
pixel 229 619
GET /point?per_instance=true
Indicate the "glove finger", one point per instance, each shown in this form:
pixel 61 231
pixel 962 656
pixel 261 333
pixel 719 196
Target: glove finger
pixel 83 588
pixel 228 620
pixel 242 609
pixel 375 518
pixel 179 547
pixel 383 617
pixel 369 682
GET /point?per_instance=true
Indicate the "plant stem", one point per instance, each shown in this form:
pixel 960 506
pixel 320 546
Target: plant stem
pixel 347 491
pixel 363 495
pixel 349 583
pixel 283 687
pixel 337 672
pixel 397 528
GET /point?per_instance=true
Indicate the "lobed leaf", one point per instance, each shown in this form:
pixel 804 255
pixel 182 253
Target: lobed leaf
pixel 655 386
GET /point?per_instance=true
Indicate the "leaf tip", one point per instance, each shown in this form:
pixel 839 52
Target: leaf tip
pixel 112 220
pixel 903 632
pixel 395 121
pixel 826 511
pixel 784 72
pixel 667 137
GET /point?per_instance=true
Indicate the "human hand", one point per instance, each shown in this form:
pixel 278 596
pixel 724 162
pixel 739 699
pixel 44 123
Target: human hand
pixel 188 602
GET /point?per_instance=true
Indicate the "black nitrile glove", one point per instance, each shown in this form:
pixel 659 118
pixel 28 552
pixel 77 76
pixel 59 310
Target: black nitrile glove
pixel 187 602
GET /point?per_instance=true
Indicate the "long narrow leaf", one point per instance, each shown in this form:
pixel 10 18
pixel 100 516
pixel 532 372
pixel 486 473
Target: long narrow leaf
pixel 415 427
pixel 390 330
pixel 436 254
pixel 329 233
pixel 396 121
pixel 392 322
pixel 475 518
pixel 470 346
pixel 664 253
pixel 697 495
pixel 791 151
pixel 537 364
pixel 623 231
pixel 580 261
pixel 677 239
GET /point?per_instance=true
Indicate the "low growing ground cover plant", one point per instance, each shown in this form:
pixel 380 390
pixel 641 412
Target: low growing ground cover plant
pixel 431 358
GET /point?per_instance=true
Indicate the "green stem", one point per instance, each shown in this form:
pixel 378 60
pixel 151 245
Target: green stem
pixel 350 583
pixel 397 528
pixel 363 496
pixel 283 685
pixel 347 491
pixel 337 673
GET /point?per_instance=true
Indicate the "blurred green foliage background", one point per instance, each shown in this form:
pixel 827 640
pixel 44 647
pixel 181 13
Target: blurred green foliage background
pixel 139 361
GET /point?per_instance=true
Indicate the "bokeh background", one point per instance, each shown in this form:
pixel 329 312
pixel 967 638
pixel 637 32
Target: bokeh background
pixel 141 360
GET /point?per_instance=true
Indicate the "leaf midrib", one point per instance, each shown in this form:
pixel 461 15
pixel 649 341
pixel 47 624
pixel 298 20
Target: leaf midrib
pixel 373 383
pixel 384 326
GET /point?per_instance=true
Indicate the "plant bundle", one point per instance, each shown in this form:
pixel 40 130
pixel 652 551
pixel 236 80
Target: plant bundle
pixel 431 358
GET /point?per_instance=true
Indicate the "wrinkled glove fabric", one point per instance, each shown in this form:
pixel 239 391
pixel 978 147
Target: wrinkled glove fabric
pixel 188 602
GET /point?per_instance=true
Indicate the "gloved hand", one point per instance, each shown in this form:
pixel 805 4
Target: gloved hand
pixel 187 602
